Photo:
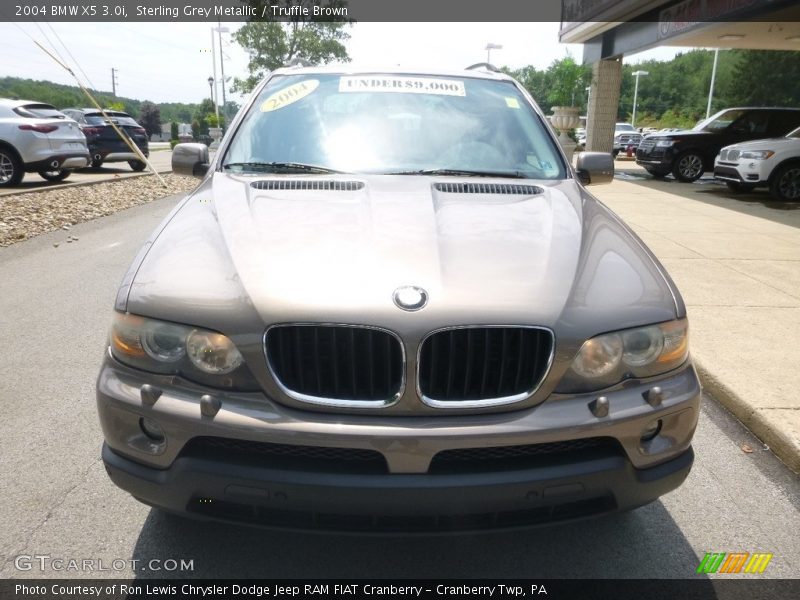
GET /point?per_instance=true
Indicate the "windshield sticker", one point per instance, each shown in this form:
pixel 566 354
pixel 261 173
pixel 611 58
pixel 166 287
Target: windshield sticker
pixel 512 103
pixel 289 95
pixel 402 85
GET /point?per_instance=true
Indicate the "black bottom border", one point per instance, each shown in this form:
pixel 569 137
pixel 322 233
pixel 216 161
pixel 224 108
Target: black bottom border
pixel 752 588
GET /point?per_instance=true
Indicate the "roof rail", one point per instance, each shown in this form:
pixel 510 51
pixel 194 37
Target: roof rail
pixel 483 65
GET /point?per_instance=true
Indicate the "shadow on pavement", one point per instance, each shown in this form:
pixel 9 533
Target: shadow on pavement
pixel 645 543
pixel 763 459
pixel 709 191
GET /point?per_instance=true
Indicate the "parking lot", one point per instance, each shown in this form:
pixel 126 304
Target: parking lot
pixel 159 157
pixel 62 503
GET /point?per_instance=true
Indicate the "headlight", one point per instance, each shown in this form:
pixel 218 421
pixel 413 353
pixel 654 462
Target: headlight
pixel 163 342
pixel 197 354
pixel 598 356
pixel 608 359
pixel 212 352
pixel 756 154
pixel 664 143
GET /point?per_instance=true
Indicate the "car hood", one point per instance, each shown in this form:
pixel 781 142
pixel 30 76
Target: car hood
pixel 767 144
pixel 678 134
pixel 237 258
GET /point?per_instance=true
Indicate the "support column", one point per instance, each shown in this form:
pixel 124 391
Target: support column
pixel 603 104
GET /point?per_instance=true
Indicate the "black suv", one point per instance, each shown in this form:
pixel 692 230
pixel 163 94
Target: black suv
pixel 105 144
pixel 688 154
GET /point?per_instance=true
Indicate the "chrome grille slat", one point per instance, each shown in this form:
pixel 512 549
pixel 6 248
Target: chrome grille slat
pixel 335 363
pixel 483 365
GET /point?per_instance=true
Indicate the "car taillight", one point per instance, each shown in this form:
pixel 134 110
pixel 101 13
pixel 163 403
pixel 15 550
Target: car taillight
pixel 92 130
pixel 39 128
pixel 139 130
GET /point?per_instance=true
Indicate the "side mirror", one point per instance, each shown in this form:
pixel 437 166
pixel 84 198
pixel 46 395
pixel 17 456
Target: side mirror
pixel 190 160
pixel 593 167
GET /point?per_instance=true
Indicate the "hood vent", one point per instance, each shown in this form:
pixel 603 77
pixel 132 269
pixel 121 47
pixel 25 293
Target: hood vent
pixel 308 184
pixel 487 188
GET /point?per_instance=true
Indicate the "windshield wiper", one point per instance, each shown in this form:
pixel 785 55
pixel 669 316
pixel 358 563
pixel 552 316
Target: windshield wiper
pixel 463 173
pixel 280 167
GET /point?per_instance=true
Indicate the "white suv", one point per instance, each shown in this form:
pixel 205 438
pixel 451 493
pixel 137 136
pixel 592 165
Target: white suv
pixel 37 138
pixel 773 162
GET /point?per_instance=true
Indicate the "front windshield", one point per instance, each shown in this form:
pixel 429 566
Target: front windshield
pixel 394 124
pixel 625 127
pixel 718 121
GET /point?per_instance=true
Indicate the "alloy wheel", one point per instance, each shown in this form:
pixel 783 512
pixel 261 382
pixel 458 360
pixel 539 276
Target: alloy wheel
pixel 690 166
pixel 6 168
pixel 789 184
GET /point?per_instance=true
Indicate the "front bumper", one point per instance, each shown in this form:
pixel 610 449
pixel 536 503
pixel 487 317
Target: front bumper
pixel 747 172
pixel 659 158
pixel 260 495
pixel 622 474
pixel 623 146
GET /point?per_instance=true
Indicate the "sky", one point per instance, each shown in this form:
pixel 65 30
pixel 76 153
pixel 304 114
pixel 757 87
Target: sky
pixel 171 62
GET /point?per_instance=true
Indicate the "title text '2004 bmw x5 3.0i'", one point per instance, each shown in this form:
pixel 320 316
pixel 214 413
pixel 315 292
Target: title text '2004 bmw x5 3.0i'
pixel 391 304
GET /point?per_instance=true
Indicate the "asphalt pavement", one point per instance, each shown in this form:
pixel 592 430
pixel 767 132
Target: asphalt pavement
pixel 57 500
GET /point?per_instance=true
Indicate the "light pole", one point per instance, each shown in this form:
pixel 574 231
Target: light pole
pixel 211 88
pixel 636 74
pixel 489 47
pixel 713 76
pixel 220 30
pixel 214 69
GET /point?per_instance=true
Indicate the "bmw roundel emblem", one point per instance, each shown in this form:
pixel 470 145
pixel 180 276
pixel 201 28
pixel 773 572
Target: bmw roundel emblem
pixel 410 298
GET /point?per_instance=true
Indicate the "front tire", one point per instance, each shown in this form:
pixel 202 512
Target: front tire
pixel 11 172
pixel 136 165
pixel 688 167
pixel 58 175
pixel 96 164
pixel 785 183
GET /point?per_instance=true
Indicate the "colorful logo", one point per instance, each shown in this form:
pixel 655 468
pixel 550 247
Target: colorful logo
pixel 734 562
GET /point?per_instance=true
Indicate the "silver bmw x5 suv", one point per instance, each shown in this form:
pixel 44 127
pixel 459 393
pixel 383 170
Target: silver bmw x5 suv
pixel 392 304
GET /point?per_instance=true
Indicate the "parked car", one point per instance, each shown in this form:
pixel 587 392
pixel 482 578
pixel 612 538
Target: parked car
pixel 625 135
pixel 580 138
pixel 105 144
pixel 689 154
pixel 774 163
pixel 392 303
pixel 36 138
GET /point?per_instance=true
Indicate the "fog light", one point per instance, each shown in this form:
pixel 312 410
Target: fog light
pixel 151 429
pixel 651 431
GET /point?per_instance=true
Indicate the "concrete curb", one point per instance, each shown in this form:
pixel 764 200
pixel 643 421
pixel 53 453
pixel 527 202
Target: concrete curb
pixel 779 442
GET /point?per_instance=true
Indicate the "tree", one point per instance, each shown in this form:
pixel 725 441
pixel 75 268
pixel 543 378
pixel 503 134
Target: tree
pixel 173 130
pixel 765 78
pixel 567 81
pixel 150 118
pixel 273 44
pixel 562 84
